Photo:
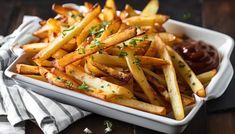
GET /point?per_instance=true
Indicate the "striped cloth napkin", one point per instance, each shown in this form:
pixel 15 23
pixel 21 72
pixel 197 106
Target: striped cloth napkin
pixel 19 104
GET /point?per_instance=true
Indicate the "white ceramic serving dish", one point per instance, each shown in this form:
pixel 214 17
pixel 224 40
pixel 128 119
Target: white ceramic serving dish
pixel 215 89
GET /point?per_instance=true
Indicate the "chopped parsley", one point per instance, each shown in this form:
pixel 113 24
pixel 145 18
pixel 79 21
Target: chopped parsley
pixel 108 126
pixel 98 30
pixel 134 42
pixel 69 83
pixel 64 32
pixel 102 86
pixel 59 78
pixel 83 86
pixel 95 43
pixel 193 83
pixel 123 54
pixel 137 61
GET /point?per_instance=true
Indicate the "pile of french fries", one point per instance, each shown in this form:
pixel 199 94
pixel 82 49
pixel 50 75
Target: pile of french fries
pixel 124 58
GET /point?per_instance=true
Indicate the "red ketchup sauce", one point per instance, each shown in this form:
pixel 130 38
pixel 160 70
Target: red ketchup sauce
pixel 200 56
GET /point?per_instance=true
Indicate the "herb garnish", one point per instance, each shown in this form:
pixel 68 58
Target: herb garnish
pixel 123 54
pixel 137 61
pixel 83 86
pixel 108 126
pixel 69 83
pixel 64 32
pixel 81 50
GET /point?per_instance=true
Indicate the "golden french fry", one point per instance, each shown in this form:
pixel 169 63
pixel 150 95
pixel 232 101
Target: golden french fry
pixel 92 69
pixel 34 47
pixel 59 54
pixel 112 72
pixel 207 76
pixel 186 72
pixel 168 38
pixel 127 12
pixel 37 77
pixel 111 29
pixel 67 35
pixel 134 66
pixel 95 47
pixel 120 62
pixel 70 46
pixel 109 10
pixel 44 63
pixel 140 105
pixel 156 76
pixel 151 8
pixel 86 31
pixel 146 20
pixel 109 88
pixel 27 69
pixel 88 5
pixel 171 81
pixel 160 88
pixel 187 100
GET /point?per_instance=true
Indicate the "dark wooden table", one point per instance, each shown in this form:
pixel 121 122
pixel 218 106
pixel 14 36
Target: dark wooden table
pixel 218 15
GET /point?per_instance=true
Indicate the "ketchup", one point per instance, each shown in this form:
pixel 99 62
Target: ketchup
pixel 200 56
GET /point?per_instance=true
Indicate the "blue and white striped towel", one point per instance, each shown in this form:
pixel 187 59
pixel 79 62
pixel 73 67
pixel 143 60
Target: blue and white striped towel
pixel 19 104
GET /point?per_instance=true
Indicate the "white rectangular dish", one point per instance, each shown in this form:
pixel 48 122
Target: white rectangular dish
pixel 216 87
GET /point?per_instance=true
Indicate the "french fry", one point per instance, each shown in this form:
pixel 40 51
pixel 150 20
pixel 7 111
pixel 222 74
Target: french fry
pixel 71 32
pixel 167 38
pixel 111 29
pixel 171 81
pixel 34 47
pixel 88 5
pixel 44 63
pixel 146 20
pixel 139 76
pixel 140 105
pixel 59 54
pixel 86 31
pixel 94 47
pixel 207 76
pixel 160 88
pixel 37 77
pixel 92 69
pixel 185 71
pixel 110 89
pixel 27 69
pixel 109 10
pixel 151 8
pixel 128 12
pixel 156 76
pixel 120 62
pixel 60 10
pixel 112 72
pixel 69 46
pixel 187 100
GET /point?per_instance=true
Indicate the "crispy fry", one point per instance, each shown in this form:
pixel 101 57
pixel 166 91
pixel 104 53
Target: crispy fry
pixel 71 32
pixel 34 47
pixel 44 63
pixel 27 69
pixel 146 20
pixel 109 10
pixel 185 71
pixel 92 69
pixel 86 31
pixel 111 29
pixel 140 105
pixel 37 77
pixel 94 47
pixel 109 88
pixel 151 8
pixel 167 38
pixel 120 62
pixel 156 76
pixel 139 76
pixel 207 76
pixel 112 72
pixel 171 81
pixel 59 54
